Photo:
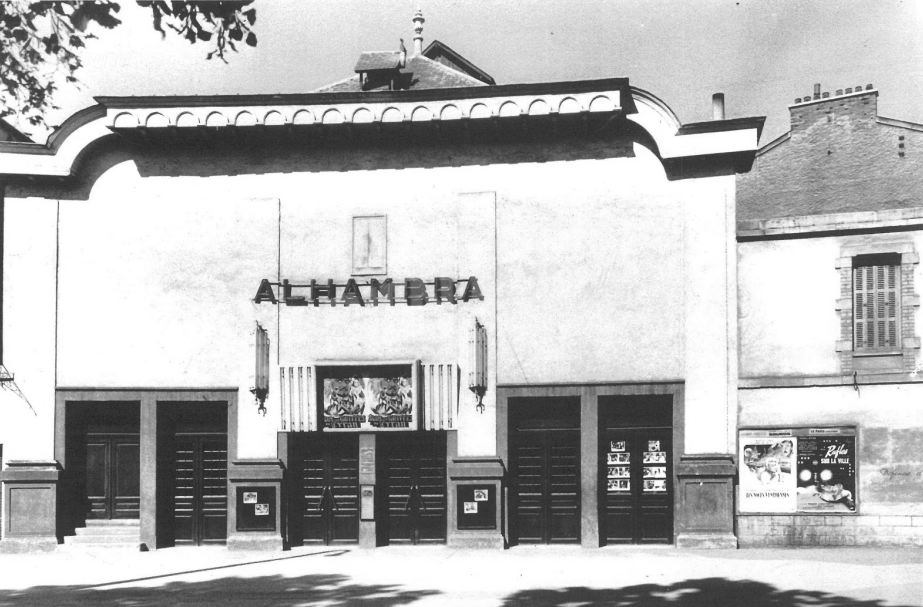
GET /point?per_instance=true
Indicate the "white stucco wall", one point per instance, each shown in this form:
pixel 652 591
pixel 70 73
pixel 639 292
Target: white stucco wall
pixel 788 321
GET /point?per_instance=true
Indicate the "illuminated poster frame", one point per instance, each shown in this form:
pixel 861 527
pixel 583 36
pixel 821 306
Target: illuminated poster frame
pixel 810 470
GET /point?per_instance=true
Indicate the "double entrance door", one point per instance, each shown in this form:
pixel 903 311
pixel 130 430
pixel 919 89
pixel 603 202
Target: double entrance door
pixel 111 474
pixel 410 500
pixel 199 487
pixel 545 470
pixel 636 470
pixel 412 477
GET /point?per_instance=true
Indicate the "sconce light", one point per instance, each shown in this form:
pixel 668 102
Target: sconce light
pixel 259 378
pixel 477 363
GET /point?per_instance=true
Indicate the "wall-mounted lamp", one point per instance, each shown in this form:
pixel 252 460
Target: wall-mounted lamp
pixel 259 378
pixel 477 363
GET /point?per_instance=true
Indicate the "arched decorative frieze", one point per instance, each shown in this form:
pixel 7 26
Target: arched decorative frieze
pixel 332 116
pixel 125 120
pixel 156 120
pixel 363 116
pixel 307 117
pixel 539 107
pixel 509 109
pixel 245 118
pixel 450 112
pixel 568 105
pixel 479 110
pixel 421 114
pixel 392 114
pixel 273 118
pixel 216 119
pixel 602 103
pixel 186 119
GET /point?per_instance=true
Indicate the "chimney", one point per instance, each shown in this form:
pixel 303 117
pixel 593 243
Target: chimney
pixel 817 91
pixel 403 54
pixel 418 21
pixel 717 106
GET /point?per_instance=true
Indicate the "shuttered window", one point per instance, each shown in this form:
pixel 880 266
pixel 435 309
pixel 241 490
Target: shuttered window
pixel 876 302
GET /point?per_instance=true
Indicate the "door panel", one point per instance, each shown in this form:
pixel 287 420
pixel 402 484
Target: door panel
pixel 637 485
pixel 200 489
pixel 330 488
pixel 545 470
pixel 412 473
pixel 545 473
pixel 113 468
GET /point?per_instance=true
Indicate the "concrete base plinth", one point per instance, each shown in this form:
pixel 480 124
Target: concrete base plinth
pixel 705 517
pixel 17 545
pixel 486 475
pixel 30 506
pixel 271 542
pixel 706 540
pixel 461 539
pixel 255 504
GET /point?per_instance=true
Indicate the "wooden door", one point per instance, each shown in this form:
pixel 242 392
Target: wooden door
pixel 412 469
pixel 329 488
pixel 112 476
pixel 200 488
pixel 545 471
pixel 637 485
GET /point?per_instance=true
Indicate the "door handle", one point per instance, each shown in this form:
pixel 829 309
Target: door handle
pixel 410 493
pixel 323 498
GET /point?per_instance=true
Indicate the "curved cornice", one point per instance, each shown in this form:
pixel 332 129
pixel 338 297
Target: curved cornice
pixel 507 102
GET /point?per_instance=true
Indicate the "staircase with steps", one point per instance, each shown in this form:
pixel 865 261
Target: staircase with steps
pixel 116 533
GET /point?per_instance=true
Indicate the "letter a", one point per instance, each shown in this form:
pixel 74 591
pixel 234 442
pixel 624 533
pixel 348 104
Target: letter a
pixel 264 292
pixel 472 289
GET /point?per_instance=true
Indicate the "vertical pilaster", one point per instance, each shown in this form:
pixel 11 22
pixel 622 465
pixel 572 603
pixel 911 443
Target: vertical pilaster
pixel 589 469
pixel 148 473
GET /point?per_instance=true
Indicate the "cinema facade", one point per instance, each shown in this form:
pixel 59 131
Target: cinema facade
pixel 440 311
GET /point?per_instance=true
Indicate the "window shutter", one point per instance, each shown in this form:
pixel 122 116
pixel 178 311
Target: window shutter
pixel 876 280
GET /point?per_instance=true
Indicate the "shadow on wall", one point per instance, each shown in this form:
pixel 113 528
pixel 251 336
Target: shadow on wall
pixel 340 590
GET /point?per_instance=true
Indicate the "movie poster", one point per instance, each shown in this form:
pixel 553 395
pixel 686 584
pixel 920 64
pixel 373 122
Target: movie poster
pixel 827 471
pixel 767 471
pixel 370 403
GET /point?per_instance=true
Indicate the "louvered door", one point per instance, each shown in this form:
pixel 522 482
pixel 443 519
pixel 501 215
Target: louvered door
pixel 545 471
pixel 637 486
pixel 412 469
pixel 329 499
pixel 200 488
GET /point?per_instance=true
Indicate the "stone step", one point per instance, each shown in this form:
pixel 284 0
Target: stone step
pixel 115 522
pixel 97 531
pixel 101 539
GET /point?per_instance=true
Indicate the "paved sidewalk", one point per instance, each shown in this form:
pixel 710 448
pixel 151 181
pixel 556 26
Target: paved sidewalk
pixel 424 576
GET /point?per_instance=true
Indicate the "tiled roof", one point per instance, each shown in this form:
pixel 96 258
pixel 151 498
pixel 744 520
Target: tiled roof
pixel 378 60
pixel 421 72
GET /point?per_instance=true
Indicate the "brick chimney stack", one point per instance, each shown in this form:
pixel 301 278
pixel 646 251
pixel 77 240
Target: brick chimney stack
pixel 845 106
pixel 418 21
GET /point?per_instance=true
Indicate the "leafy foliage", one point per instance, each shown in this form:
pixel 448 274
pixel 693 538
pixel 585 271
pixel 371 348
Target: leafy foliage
pixel 42 41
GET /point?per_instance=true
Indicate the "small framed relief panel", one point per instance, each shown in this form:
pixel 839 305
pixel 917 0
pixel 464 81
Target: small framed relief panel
pixel 370 244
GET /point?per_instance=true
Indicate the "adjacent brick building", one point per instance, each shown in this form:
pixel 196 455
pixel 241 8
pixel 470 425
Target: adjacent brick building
pixel 830 227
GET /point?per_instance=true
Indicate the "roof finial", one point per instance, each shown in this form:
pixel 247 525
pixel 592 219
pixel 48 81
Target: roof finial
pixel 418 21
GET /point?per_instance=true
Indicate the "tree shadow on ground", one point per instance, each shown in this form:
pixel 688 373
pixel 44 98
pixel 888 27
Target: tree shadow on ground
pixel 707 592
pixel 276 590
